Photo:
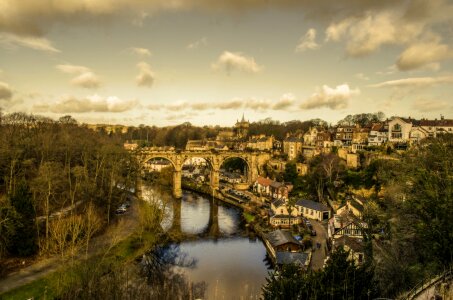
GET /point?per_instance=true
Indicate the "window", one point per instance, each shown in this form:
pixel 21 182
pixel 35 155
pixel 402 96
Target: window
pixel 397 127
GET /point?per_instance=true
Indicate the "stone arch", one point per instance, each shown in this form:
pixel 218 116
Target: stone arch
pixel 245 159
pixel 148 158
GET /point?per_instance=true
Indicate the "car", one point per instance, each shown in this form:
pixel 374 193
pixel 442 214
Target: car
pixel 120 210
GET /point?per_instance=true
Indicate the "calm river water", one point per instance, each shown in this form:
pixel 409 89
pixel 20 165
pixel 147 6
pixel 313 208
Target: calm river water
pixel 232 265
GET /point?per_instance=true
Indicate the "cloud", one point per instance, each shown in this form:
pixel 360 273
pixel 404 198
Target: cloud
pixel 414 82
pixel 235 61
pixel 5 91
pixel 197 44
pixel 423 54
pixel 429 105
pixel 308 42
pixel 87 80
pixel 406 23
pixel 84 78
pixel 72 69
pixel 362 76
pixel 141 51
pixel 285 101
pixel 145 76
pixel 333 98
pixel 94 103
pixel 37 43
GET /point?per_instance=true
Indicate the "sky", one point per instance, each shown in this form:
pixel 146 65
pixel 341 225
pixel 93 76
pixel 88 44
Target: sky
pixel 165 62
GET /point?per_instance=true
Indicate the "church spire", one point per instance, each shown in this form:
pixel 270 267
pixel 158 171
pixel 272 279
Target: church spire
pixel 243 119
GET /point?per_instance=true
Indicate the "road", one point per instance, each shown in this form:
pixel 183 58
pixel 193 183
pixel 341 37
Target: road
pixel 319 255
pixel 118 231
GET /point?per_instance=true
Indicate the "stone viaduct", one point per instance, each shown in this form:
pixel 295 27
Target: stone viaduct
pixel 254 162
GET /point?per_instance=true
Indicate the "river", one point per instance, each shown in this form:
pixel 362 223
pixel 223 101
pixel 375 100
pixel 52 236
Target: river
pixel 232 264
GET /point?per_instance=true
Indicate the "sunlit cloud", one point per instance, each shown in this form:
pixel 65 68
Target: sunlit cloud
pixel 145 77
pixel 308 42
pixel 94 103
pixel 235 61
pixel 424 54
pixel 197 44
pixel 6 91
pixel 333 98
pixel 141 51
pixel 12 41
pixel 415 82
pixel 429 105
pixel 84 78
pixel 285 102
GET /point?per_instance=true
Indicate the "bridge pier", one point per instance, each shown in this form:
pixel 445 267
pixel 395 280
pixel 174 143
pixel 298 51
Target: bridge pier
pixel 177 190
pixel 215 179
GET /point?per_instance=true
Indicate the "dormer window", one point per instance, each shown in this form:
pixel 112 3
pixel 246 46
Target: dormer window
pixel 396 127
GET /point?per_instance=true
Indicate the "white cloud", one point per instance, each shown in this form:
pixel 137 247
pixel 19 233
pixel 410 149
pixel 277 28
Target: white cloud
pixel 6 91
pixel 414 82
pixel 87 80
pixel 423 54
pixel 308 42
pixel 197 44
pixel 94 103
pixel 235 61
pixel 333 98
pixel 285 101
pixel 72 69
pixel 362 76
pixel 145 76
pixel 37 43
pixel 141 51
pixel 429 105
pixel 84 78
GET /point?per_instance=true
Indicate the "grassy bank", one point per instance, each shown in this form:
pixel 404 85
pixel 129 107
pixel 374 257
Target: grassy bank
pixel 117 256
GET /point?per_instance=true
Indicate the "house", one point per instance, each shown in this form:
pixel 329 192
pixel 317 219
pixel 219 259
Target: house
pixel 354 246
pixel 323 140
pixel 279 214
pixel 310 136
pixel 399 130
pixel 261 142
pixel 130 146
pixel 281 241
pixel 292 146
pixel 354 205
pixel 302 169
pixel 262 186
pixel 345 224
pixel 378 134
pixel 360 135
pixel 300 259
pixel 313 210
pixel 280 190
pixel 343 135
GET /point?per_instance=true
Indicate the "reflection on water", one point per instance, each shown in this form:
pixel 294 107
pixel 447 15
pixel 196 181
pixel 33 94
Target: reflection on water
pixel 232 265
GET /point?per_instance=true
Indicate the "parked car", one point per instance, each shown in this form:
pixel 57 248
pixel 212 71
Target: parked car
pixel 121 210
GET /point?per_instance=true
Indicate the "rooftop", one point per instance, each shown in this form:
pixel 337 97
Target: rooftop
pixel 297 258
pixel 281 237
pixel 312 205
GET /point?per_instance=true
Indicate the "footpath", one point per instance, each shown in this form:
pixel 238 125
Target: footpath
pixel 123 227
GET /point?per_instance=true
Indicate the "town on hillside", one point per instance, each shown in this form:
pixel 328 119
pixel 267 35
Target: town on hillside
pixel 300 228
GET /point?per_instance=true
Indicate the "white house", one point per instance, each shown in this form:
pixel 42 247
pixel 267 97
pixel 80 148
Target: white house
pixel 399 129
pixel 312 210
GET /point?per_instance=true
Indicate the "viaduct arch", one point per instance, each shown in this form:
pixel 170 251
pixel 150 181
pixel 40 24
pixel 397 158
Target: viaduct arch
pixel 254 160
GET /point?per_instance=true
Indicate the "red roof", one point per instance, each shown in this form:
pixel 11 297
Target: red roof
pixel 264 181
